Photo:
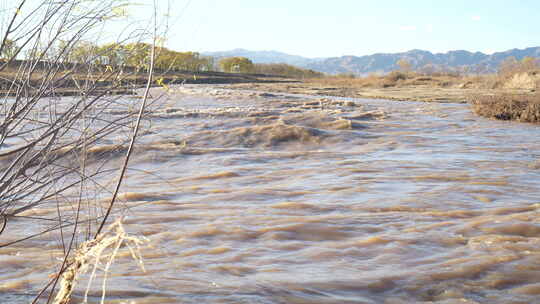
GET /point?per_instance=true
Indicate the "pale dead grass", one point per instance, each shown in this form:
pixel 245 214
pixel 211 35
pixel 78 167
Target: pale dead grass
pixel 98 254
pixel 397 79
pixel 393 79
pixel 520 107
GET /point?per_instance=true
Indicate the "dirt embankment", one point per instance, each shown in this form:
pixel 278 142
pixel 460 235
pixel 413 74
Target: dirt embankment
pixel 69 80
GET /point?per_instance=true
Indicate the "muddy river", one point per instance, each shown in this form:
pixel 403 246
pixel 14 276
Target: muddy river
pixel 249 197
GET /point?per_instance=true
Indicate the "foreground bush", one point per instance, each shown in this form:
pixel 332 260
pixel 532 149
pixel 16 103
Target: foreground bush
pixel 525 108
pixel 52 148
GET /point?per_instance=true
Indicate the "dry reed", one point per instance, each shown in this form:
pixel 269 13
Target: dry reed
pixel 98 253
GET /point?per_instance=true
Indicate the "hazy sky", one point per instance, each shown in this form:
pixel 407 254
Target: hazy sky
pixel 352 27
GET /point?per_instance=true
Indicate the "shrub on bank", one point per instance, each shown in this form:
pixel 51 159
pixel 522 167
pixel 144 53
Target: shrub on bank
pixel 395 76
pixel 525 108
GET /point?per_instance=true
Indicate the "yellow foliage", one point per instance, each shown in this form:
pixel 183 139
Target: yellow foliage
pixel 236 65
pixel 160 82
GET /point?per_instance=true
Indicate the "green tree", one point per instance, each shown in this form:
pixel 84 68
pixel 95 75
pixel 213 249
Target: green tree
pixel 236 65
pixel 9 49
pixel 83 52
pixel 185 61
pixel 165 59
pixel 138 55
pixel 283 69
pixel 207 63
pixel 114 52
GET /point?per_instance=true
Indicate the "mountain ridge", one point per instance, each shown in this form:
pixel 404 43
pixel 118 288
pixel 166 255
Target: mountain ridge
pixel 463 60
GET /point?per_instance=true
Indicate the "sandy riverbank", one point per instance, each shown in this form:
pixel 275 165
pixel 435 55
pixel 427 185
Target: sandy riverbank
pixel 408 93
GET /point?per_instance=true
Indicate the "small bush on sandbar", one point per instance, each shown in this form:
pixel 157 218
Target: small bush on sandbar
pixel 395 76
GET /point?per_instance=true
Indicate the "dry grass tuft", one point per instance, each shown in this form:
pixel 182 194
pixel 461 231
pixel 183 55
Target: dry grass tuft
pixel 396 76
pixel 525 108
pixel 97 253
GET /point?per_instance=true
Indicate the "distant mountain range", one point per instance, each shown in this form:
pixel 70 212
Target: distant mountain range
pixel 386 62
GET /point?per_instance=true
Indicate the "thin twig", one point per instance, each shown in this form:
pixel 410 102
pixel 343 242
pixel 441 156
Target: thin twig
pixel 133 138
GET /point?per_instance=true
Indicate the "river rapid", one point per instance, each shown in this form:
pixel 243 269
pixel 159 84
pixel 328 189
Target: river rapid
pixel 250 197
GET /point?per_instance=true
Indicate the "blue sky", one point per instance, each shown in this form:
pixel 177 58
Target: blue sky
pixel 351 27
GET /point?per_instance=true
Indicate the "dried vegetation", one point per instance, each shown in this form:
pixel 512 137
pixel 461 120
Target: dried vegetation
pixel 520 107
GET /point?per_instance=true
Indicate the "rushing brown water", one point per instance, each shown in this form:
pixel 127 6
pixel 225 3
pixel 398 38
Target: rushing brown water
pixel 260 198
